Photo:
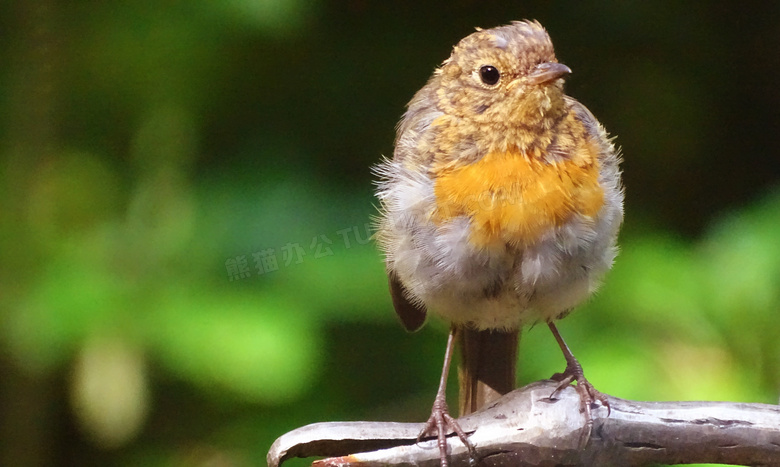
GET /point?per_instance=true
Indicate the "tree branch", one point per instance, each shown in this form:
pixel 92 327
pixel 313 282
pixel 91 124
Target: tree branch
pixel 527 428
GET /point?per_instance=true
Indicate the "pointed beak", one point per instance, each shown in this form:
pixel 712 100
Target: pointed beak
pixel 548 72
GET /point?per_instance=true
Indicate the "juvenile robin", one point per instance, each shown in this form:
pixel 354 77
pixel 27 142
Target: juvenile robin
pixel 500 208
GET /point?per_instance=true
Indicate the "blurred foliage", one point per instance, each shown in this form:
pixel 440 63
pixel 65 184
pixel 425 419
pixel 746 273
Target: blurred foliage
pixel 185 264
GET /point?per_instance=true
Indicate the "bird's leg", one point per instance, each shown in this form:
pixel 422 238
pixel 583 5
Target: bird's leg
pixel 588 394
pixel 440 421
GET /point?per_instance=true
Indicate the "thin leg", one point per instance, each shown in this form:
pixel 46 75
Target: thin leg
pixel 573 372
pixel 440 421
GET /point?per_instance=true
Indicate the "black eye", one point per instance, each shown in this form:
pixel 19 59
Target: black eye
pixel 489 75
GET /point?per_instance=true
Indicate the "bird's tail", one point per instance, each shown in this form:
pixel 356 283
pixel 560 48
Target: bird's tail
pixel 487 366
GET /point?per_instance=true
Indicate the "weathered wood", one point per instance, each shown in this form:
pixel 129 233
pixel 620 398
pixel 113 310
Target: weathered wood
pixel 527 428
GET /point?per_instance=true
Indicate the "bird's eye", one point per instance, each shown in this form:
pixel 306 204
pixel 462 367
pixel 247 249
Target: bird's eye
pixel 489 75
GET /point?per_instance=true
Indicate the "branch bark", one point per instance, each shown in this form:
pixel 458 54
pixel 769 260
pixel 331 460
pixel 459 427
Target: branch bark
pixel 527 428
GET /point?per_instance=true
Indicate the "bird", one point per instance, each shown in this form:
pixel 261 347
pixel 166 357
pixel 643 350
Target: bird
pixel 499 209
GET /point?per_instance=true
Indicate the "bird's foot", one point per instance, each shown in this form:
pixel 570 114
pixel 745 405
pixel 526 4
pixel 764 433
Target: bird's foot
pixel 439 425
pixel 588 395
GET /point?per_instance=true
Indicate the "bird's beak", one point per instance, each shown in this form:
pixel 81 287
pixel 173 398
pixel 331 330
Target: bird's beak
pixel 547 72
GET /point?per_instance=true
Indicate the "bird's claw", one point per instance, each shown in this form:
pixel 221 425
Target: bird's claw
pixel 588 396
pixel 439 424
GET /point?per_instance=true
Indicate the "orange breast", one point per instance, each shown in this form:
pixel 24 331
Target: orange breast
pixel 514 198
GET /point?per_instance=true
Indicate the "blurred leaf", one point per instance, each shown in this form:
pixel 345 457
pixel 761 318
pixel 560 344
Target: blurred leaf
pixel 254 346
pixel 74 296
pixel 110 390
pixel 73 191
pixel 278 16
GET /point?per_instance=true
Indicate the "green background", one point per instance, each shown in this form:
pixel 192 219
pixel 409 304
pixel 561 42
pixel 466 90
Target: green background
pixel 147 144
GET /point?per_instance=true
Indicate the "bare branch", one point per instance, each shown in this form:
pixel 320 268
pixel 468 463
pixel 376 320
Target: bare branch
pixel 527 428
